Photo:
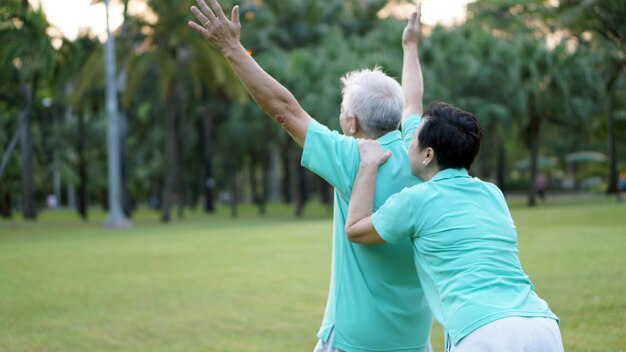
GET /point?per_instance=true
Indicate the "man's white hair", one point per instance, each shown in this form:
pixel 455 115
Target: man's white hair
pixel 374 98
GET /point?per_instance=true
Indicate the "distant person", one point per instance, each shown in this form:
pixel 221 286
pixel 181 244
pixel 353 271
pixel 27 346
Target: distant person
pixel 463 236
pixel 541 183
pixel 52 202
pixel 375 302
pixel 621 186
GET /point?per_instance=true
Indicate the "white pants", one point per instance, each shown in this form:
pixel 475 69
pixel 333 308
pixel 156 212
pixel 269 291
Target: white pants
pixel 328 345
pixel 513 334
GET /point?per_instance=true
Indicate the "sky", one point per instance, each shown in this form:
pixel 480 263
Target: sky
pixel 71 17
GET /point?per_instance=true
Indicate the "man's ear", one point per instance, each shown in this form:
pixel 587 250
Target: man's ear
pixel 353 125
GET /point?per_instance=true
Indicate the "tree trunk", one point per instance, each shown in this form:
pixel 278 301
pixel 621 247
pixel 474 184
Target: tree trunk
pixel 57 185
pixel 611 139
pixel 28 188
pixel 299 182
pixel 302 190
pixel 70 195
pixel 127 201
pixel 265 179
pixel 181 194
pixel 288 172
pixel 82 168
pixel 5 204
pixel 234 192
pixel 181 197
pixel 170 162
pixel 206 140
pixel 326 192
pixel 16 138
pixel 274 177
pixel 258 186
pixel 127 205
pixel 535 134
pixel 501 164
pixel 115 217
pixel 252 165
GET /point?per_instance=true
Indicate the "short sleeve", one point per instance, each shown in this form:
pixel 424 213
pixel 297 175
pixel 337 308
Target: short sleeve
pixel 395 220
pixel 332 156
pixel 409 125
pixel 498 196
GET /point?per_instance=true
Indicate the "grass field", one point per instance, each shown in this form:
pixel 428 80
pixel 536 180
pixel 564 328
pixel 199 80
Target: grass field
pixel 259 284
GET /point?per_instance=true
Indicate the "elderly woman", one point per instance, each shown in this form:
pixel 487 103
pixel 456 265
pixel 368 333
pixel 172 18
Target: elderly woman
pixel 463 237
pixel 375 301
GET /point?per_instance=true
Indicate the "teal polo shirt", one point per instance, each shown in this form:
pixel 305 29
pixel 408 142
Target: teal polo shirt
pixel 465 251
pixel 375 302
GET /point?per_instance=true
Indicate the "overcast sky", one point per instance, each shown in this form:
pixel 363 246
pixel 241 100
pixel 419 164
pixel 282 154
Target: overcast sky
pixel 72 16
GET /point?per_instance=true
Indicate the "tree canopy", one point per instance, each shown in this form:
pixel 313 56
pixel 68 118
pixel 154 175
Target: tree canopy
pixel 545 80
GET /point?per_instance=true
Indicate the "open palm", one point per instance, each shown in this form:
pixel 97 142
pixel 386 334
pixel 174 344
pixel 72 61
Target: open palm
pixel 412 29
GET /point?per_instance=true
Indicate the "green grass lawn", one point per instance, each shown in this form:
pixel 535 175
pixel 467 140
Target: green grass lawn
pixel 211 283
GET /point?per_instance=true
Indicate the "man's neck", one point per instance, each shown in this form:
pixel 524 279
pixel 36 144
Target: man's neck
pixel 363 135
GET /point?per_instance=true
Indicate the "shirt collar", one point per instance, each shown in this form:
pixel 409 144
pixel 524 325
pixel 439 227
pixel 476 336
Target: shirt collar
pixel 389 137
pixel 450 173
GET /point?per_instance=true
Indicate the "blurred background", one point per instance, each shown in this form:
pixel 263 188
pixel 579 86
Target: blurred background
pixel 545 78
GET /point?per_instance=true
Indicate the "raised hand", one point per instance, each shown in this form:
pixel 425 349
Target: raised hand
pixel 222 33
pixel 412 79
pixel 372 155
pixel 412 29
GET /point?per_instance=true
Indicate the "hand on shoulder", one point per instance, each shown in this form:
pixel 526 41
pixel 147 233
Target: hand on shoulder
pixel 371 154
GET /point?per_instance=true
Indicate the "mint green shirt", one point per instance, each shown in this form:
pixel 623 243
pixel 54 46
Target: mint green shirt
pixel 465 251
pixel 375 302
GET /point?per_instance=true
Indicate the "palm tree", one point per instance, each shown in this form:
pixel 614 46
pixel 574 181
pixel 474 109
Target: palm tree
pixel 494 109
pixel 542 75
pixel 116 217
pixel 27 47
pixel 549 82
pixel 605 19
pixel 183 64
pixel 76 103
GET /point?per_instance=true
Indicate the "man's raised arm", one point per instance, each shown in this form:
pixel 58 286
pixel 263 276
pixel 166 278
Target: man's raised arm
pixel 412 80
pixel 274 99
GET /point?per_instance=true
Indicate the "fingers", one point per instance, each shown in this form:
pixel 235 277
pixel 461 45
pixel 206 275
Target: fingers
pixel 201 17
pixel 412 18
pixel 368 146
pixel 216 8
pixel 206 10
pixel 371 153
pixel 365 143
pixel 234 15
pixel 198 28
pixel 385 157
pixel 418 11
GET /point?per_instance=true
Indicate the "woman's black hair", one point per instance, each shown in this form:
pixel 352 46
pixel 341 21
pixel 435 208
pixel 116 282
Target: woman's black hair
pixel 454 134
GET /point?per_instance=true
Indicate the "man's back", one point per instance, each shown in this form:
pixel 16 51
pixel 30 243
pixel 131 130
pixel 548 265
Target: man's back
pixel 375 300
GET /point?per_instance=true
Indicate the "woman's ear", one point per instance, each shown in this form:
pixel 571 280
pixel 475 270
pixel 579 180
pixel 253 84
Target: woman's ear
pixel 430 156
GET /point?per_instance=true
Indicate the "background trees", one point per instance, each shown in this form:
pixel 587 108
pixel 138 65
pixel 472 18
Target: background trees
pixel 545 81
pixel 599 24
pixel 27 59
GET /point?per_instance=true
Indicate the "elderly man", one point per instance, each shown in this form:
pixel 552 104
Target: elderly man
pixel 375 302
